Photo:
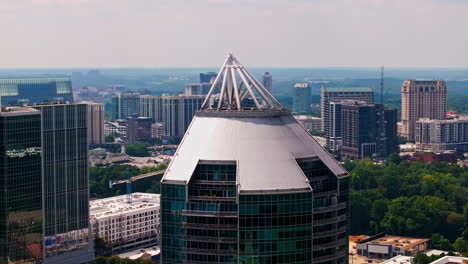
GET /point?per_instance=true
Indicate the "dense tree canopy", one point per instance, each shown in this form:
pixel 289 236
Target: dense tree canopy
pixel 99 178
pixel 423 200
pixel 139 149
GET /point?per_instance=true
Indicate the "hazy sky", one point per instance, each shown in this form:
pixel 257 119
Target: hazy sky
pixel 199 33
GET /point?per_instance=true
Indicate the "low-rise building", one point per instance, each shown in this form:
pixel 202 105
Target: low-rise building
pixel 399 259
pixel 451 260
pixel 309 122
pixel 126 225
pixel 383 246
pixel 115 127
pixel 157 130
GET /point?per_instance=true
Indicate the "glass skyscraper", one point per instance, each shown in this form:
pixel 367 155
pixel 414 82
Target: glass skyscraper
pixel 37 90
pixel 251 185
pixel 67 238
pixel 21 224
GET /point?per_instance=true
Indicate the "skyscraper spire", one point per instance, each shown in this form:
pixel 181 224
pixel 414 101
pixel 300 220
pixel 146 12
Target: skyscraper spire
pixel 232 93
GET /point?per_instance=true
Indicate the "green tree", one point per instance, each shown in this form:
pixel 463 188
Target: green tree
pixel 461 245
pixel 109 138
pixel 440 242
pixel 139 149
pixel 394 158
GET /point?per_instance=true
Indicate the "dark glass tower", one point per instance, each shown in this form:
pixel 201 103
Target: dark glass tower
pixel 251 185
pixel 66 190
pixel 31 91
pixel 21 222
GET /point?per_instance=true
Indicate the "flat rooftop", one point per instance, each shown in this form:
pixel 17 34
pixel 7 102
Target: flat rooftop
pixel 16 111
pixel 118 205
pixel 397 241
pixel 138 253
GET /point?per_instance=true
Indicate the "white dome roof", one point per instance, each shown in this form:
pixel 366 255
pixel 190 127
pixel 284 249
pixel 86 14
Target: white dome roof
pixel 264 144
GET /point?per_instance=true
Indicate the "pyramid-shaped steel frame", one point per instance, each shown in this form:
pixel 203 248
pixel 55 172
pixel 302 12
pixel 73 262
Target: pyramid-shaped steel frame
pixel 232 94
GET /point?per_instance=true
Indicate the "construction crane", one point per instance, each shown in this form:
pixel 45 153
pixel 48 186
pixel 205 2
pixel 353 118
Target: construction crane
pixel 130 180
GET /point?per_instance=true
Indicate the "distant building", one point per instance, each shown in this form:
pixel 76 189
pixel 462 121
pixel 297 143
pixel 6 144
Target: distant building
pixel 206 77
pixel 177 113
pixel 267 81
pixel 302 97
pixel 197 88
pixel 421 99
pixel 398 259
pixel 441 135
pixel 309 122
pixel 125 105
pixel 449 156
pixel 96 132
pixel 21 216
pixel 383 246
pixel 321 140
pixel 35 90
pixel 138 128
pixel 65 181
pixel 114 127
pixel 125 226
pixel 331 94
pixel 359 131
pixel 332 130
pixel 157 130
pixel 150 106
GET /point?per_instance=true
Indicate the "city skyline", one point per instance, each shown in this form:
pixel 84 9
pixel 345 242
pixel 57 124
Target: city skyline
pixel 78 33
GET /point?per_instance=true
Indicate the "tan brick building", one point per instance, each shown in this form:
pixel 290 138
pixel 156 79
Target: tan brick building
pixel 421 99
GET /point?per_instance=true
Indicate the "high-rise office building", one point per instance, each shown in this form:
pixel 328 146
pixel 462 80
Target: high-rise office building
pixel 95 123
pixel 421 99
pixel 177 113
pixel 125 105
pixel 337 94
pixel 30 91
pixel 251 185
pixel 207 77
pixel 21 222
pixel 150 106
pixel 65 179
pixel 302 97
pixel 363 135
pixel 391 143
pixel 441 135
pixel 267 81
pixel 359 130
pixel 138 128
pixel 333 131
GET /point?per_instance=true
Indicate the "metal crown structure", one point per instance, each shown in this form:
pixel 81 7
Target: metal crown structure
pixel 232 94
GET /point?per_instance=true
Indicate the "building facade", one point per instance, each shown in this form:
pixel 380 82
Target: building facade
pixel 125 226
pixel 66 183
pixel 251 185
pixel 96 114
pixel 330 94
pixel 309 122
pixel 359 131
pixel 21 221
pixel 302 97
pixel 421 99
pixel 31 91
pixel 125 105
pixel 197 88
pixel 442 135
pixel 138 128
pixel 177 113
pixel 267 81
pixel 150 106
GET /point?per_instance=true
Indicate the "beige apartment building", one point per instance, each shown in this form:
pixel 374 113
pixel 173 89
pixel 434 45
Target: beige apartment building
pixel 421 99
pixel 95 123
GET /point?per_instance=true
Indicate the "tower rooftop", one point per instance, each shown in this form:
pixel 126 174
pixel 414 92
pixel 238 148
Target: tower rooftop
pixel 236 85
